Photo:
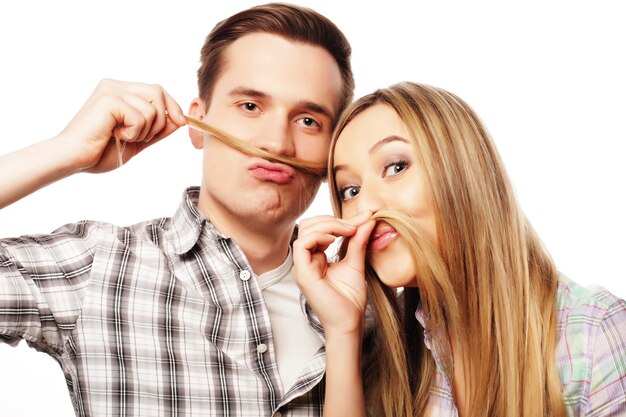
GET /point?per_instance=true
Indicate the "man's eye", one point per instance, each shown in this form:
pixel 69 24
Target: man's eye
pixel 250 107
pixel 349 192
pixel 395 168
pixel 308 122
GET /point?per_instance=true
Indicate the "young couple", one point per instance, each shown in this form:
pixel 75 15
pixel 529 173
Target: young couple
pixel 200 314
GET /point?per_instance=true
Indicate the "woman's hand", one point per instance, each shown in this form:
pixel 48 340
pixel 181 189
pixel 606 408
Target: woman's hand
pixel 337 292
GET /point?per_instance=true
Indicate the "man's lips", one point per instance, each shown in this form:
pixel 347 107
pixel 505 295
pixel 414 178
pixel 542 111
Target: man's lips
pixel 382 236
pixel 271 171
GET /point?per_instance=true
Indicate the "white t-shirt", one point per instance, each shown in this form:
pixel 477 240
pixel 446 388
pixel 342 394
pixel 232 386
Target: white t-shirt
pixel 295 342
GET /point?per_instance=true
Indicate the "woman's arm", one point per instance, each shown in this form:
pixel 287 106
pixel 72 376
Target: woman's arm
pixel 344 383
pixel 337 293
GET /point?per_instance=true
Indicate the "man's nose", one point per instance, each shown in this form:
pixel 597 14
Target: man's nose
pixel 277 137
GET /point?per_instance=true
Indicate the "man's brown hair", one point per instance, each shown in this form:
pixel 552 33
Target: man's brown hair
pixel 292 22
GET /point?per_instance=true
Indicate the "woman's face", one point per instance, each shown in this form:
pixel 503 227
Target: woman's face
pixel 376 168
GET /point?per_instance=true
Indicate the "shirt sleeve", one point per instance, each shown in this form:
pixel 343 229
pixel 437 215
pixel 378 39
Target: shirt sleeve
pixel 607 391
pixel 42 281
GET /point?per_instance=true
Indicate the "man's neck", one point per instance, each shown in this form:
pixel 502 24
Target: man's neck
pixel 265 252
pixel 265 245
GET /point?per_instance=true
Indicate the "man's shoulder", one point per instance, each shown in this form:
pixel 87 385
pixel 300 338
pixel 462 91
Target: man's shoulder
pixel 161 223
pixel 150 232
pixel 91 231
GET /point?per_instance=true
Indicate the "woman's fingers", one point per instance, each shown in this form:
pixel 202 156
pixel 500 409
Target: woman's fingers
pixel 357 245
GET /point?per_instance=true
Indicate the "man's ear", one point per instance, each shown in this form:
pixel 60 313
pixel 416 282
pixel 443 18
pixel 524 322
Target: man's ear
pixel 197 110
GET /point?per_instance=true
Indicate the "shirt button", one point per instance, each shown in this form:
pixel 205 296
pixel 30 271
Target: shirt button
pixel 244 275
pixel 262 348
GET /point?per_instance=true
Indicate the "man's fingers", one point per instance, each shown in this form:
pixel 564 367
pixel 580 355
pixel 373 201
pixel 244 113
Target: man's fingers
pixel 153 115
pixel 175 113
pixel 130 121
pixel 162 113
pixel 168 130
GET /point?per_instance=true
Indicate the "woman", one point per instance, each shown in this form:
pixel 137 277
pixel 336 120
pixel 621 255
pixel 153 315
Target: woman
pixel 485 325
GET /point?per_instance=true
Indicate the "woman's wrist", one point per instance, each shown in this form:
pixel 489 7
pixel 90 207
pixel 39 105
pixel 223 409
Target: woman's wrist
pixel 344 335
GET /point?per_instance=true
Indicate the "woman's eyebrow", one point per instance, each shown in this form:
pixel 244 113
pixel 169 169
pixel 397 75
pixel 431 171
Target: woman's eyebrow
pixel 386 140
pixel 374 148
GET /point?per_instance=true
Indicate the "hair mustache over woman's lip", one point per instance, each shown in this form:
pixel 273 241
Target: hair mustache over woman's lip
pixel 382 227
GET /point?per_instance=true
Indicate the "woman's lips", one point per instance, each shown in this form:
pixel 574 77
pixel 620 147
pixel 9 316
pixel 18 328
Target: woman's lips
pixel 268 171
pixel 382 237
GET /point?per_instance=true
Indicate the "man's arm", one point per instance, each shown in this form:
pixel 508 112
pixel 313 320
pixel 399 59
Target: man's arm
pixel 137 115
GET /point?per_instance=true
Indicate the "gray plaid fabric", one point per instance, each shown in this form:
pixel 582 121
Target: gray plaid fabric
pixel 163 318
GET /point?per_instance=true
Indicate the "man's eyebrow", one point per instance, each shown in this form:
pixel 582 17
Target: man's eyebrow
pixel 316 108
pixel 304 104
pixel 374 148
pixel 245 91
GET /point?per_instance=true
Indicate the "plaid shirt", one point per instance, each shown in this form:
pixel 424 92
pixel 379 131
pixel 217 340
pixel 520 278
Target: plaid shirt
pixel 590 356
pixel 157 319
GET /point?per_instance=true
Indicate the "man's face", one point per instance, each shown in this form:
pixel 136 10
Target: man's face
pixel 280 96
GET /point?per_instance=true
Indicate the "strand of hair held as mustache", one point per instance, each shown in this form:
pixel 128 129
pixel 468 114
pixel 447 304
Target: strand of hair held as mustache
pixel 240 145
pixel 433 279
pixel 309 167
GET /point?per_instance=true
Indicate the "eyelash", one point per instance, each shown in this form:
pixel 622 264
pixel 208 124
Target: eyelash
pixel 317 124
pixel 393 163
pixel 343 190
pixel 244 106
pixel 404 162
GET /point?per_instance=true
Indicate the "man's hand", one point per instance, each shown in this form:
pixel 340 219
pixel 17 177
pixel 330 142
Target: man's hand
pixel 133 114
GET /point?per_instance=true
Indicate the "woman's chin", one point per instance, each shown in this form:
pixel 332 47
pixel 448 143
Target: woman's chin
pixel 395 273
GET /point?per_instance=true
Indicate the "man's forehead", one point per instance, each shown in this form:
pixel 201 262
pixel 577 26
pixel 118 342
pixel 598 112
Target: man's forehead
pixel 278 67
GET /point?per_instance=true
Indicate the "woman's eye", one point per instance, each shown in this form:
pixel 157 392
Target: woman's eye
pixel 349 192
pixel 395 168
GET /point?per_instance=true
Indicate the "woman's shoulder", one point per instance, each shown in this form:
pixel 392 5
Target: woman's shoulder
pixel 590 301
pixel 586 312
pixel 591 350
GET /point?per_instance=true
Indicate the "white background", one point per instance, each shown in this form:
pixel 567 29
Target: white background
pixel 546 77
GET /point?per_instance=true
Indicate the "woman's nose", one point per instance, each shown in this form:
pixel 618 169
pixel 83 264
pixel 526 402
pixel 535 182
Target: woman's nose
pixel 370 199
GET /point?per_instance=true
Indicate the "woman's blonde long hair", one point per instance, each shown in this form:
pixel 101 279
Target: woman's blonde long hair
pixel 490 284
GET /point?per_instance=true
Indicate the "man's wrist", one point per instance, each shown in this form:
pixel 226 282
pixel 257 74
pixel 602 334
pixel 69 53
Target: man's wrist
pixel 68 157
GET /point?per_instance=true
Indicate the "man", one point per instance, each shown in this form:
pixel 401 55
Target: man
pixel 195 314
